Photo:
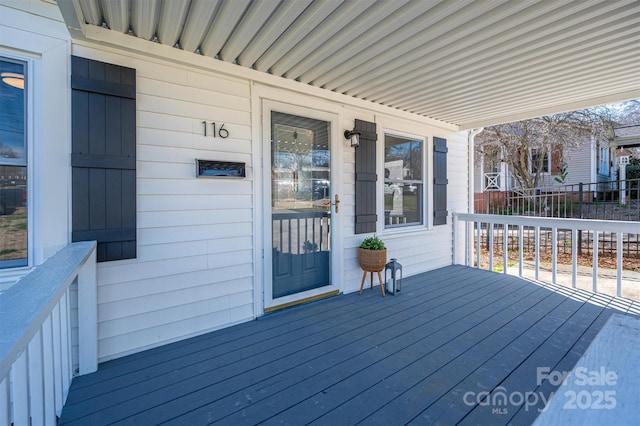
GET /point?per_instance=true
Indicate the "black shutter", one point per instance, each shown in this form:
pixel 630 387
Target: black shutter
pixel 366 218
pixel 103 157
pixel 440 181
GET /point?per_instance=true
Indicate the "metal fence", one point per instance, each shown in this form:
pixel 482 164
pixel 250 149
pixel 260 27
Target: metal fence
pixel 597 200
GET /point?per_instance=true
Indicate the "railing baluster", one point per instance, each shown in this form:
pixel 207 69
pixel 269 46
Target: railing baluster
pixel 619 264
pixel 478 243
pixel 467 240
pixel 57 361
pixel 595 261
pixel 537 251
pixel 554 254
pixel 491 246
pixel 20 394
pixel 574 257
pixel 5 403
pixel 505 247
pixel 65 340
pixel 36 386
pixel 49 375
pixel 520 249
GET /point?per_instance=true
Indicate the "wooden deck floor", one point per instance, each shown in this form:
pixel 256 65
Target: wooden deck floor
pixel 421 357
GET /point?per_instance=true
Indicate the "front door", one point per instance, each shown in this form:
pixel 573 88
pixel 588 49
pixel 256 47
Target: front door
pixel 301 209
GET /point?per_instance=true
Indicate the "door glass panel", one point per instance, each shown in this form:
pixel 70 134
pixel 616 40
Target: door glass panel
pixel 300 203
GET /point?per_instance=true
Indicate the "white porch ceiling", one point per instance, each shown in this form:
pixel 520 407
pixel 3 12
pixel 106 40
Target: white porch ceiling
pixel 469 63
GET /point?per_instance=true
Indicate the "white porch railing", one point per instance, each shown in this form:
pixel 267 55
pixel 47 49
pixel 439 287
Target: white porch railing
pixel 513 228
pixel 39 348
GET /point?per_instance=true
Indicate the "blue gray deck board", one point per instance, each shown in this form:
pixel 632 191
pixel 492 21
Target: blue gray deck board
pixel 351 359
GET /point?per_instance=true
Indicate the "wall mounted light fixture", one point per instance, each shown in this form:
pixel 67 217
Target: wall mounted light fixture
pixel 353 136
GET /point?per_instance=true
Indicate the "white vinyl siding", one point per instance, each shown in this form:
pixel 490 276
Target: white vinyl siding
pixel 194 269
pixel 196 253
pixel 197 266
pixel 578 160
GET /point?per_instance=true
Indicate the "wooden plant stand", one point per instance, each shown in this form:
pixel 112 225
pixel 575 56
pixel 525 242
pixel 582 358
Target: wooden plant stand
pixel 364 275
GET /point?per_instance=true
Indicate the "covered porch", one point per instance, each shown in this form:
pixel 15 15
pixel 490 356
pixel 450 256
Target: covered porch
pixel 430 354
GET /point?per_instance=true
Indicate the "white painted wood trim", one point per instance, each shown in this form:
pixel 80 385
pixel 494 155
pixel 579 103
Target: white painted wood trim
pixel 88 315
pixel 5 402
pixel 20 394
pixel 36 380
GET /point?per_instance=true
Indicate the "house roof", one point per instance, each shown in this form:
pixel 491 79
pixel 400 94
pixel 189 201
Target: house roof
pixel 469 63
pixel 628 136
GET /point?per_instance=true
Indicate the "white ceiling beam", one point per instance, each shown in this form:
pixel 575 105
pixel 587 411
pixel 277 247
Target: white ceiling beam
pixel 73 16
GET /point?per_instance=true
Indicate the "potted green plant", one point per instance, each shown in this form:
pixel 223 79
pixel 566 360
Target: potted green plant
pixel 372 254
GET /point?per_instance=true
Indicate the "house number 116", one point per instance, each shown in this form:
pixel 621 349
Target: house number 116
pixel 218 132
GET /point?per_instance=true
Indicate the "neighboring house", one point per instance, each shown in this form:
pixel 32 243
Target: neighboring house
pixel 627 137
pixel 587 162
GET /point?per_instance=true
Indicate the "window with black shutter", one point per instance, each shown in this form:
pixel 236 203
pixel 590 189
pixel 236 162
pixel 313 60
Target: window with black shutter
pixel 104 157
pixel 440 181
pixel 365 197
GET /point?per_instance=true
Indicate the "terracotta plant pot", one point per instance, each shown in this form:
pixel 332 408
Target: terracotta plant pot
pixel 372 260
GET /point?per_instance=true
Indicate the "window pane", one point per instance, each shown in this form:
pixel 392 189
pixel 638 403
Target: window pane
pixel 13 165
pixel 535 158
pixel 403 181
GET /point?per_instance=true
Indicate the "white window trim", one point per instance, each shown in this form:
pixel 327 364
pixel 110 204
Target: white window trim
pixel 10 275
pixel 427 182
